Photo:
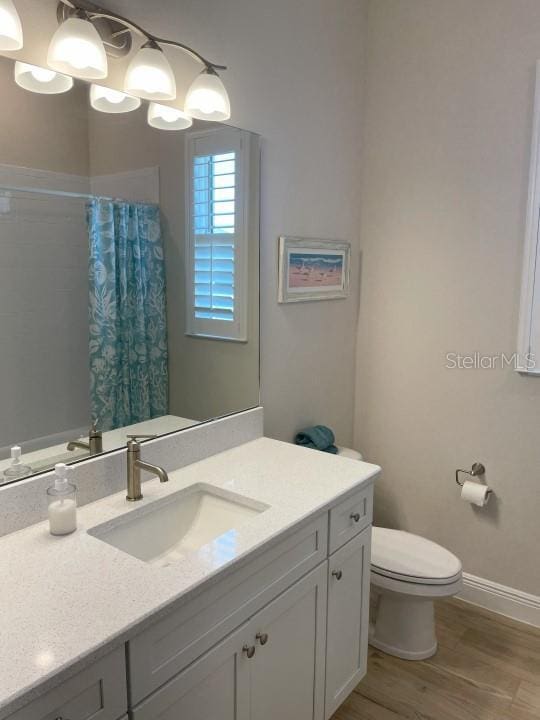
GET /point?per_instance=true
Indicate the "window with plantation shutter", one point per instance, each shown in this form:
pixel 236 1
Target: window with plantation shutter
pixel 217 242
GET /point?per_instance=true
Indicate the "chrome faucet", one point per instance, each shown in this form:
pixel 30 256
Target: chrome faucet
pixel 135 465
pixel 94 444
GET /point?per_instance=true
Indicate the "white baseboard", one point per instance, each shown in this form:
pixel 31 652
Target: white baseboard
pixel 501 599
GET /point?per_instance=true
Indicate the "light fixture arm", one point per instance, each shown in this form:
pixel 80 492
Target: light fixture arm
pixel 190 51
pixel 94 12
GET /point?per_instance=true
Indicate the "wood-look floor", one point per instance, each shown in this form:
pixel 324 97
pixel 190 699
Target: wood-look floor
pixel 487 668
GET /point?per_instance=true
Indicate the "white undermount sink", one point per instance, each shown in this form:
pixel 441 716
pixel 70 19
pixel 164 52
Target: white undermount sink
pixel 199 517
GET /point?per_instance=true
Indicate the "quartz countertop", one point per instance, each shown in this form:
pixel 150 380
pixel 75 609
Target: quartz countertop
pixel 68 600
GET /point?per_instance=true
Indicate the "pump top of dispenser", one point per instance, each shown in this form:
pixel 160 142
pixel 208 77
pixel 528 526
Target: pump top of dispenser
pixel 61 485
pixel 17 469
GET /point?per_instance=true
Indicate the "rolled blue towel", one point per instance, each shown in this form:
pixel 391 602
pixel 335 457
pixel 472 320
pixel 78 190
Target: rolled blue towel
pixel 318 437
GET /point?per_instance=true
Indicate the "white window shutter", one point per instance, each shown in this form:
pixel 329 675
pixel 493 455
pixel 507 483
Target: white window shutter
pixel 217 244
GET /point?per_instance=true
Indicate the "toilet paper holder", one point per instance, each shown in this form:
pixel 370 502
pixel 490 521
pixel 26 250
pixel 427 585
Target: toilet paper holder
pixel 476 470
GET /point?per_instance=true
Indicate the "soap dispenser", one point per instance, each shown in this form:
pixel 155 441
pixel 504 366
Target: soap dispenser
pixel 62 503
pixel 16 469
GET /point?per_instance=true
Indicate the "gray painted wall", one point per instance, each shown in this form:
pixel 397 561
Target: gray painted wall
pixel 449 102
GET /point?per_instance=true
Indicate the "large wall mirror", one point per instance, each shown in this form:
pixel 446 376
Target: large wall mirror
pixel 129 275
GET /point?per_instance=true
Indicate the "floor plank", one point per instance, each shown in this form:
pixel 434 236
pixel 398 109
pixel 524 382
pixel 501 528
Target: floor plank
pixel 512 651
pixel 450 625
pixel 358 707
pixel 487 668
pixel 429 690
pixel 480 674
pixel 526 705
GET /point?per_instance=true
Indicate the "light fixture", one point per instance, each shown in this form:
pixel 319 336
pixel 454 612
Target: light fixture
pixel 112 101
pixel 76 49
pixel 207 98
pixel 150 75
pixel 164 117
pixel 41 80
pixel 11 34
pixel 86 35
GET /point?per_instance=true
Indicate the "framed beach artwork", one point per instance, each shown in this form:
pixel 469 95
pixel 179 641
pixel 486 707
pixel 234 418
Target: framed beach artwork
pixel 313 269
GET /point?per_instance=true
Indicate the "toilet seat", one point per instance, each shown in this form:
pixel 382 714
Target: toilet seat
pixel 403 557
pixel 420 590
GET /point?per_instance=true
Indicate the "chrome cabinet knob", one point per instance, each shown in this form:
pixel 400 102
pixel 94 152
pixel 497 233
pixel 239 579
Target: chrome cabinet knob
pixel 262 638
pixel 337 574
pixel 249 650
pixel 355 517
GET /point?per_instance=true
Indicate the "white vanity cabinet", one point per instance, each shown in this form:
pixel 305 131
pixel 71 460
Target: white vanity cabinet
pixel 271 667
pixel 348 619
pixel 282 635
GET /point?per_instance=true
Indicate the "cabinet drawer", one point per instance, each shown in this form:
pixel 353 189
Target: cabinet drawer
pixel 98 692
pixel 164 649
pixel 350 517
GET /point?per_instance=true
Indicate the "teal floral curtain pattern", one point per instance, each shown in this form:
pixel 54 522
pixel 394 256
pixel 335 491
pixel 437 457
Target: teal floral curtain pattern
pixel 128 322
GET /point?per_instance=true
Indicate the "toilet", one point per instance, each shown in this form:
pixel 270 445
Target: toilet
pixel 408 573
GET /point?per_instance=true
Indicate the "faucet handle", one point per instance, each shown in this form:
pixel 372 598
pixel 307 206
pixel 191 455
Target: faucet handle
pixel 94 427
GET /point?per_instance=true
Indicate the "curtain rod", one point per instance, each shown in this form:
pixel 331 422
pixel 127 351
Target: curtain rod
pixel 71 195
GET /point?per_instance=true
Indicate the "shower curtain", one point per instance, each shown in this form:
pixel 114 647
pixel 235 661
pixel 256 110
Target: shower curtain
pixel 127 307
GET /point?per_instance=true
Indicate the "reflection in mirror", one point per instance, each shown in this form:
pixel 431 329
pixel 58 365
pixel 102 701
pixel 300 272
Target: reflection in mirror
pixel 129 275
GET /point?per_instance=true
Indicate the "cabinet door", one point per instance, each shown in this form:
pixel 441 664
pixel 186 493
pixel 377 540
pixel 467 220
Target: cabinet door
pixel 216 687
pixel 348 619
pixel 287 670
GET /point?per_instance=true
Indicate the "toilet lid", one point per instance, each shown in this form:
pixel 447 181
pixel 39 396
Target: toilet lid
pixel 411 558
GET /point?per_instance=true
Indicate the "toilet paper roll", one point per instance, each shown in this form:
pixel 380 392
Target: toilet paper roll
pixel 475 493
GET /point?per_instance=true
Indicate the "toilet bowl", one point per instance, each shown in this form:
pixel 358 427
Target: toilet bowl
pixel 407 573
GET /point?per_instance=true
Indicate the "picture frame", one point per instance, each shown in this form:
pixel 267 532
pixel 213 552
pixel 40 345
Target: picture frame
pixel 312 269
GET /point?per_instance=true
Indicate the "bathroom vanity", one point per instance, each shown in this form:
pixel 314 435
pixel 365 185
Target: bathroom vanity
pixel 267 619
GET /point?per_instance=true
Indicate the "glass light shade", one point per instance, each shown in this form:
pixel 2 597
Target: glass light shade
pixel 163 117
pixel 112 101
pixel 207 98
pixel 76 49
pixel 41 80
pixel 150 76
pixel 11 34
